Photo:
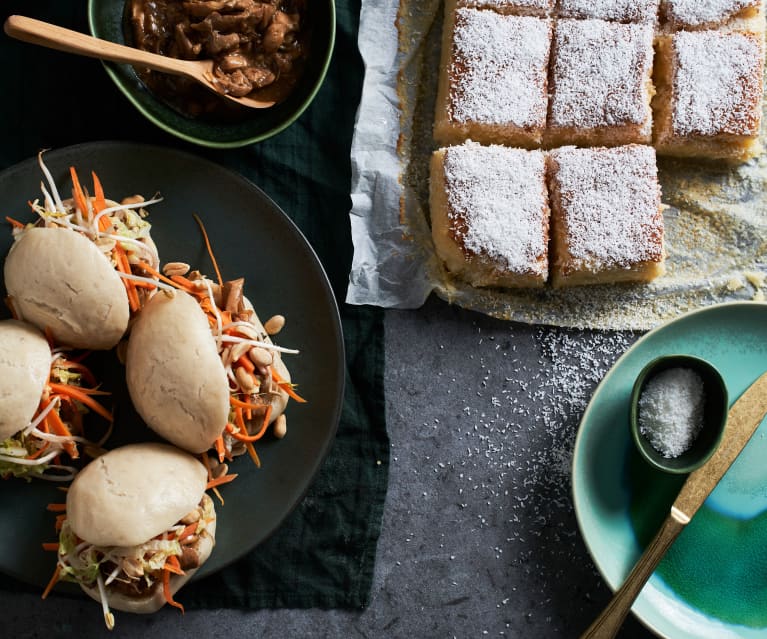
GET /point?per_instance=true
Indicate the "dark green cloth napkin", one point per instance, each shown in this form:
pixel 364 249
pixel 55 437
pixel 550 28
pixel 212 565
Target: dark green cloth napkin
pixel 323 555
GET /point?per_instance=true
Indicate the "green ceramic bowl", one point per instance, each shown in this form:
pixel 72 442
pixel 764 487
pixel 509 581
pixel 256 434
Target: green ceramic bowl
pixel 714 415
pixel 106 21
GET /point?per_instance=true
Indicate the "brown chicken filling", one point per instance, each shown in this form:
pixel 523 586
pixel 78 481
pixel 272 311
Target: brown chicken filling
pixel 258 47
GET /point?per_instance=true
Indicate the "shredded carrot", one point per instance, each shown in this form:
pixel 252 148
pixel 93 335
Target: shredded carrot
pixel 180 279
pixel 52 582
pixel 123 264
pixel 140 284
pixel 77 193
pixel 166 590
pixel 244 436
pixel 60 428
pixel 238 402
pixel 13 222
pixel 81 396
pixel 56 508
pixel 245 362
pixel 60 519
pixel 220 449
pixel 218 481
pixel 155 273
pixel 253 454
pixel 238 420
pixel 172 565
pixel 40 450
pixel 50 545
pixel 99 202
pixel 286 386
pixel 210 249
pixel 188 530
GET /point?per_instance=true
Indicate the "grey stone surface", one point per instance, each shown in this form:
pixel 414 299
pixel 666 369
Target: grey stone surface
pixel 479 535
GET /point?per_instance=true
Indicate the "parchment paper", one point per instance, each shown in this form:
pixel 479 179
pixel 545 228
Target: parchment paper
pixel 716 223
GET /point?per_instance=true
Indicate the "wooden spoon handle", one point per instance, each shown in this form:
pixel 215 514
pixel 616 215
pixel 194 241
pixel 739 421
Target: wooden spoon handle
pixel 55 37
pixel 607 624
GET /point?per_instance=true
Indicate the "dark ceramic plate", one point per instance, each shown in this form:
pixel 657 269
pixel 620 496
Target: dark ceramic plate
pixel 252 238
pixel 106 21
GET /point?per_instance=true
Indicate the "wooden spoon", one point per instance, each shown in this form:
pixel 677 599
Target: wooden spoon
pixel 55 37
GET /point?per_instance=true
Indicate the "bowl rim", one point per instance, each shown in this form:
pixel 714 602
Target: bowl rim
pixel 216 144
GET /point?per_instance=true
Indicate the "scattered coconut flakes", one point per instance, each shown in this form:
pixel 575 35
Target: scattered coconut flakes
pixel 508 454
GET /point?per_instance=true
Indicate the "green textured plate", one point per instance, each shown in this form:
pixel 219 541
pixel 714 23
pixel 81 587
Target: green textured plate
pixel 252 238
pixel 105 18
pixel 713 581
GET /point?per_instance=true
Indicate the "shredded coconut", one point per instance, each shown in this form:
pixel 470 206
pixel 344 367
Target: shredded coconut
pixel 694 13
pixel 498 204
pixel 618 10
pixel 671 410
pixel 610 201
pixel 499 69
pixel 600 73
pixel 717 84
pixel 507 456
pixel 518 7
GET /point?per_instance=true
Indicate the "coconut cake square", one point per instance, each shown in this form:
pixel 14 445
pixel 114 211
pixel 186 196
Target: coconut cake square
pixel 493 84
pixel 601 84
pixel 490 214
pixel 606 215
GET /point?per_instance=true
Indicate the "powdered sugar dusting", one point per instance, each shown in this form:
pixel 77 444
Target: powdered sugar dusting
pixel 498 204
pixel 532 7
pixel 693 13
pixel 619 10
pixel 717 84
pixel 498 73
pixel 600 71
pixel 610 201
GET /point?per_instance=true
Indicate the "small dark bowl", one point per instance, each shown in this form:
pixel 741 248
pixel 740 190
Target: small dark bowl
pixel 714 414
pixel 105 18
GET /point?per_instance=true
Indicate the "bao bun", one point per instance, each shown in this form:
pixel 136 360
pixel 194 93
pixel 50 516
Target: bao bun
pixel 133 493
pixel 25 364
pixel 175 376
pixel 59 280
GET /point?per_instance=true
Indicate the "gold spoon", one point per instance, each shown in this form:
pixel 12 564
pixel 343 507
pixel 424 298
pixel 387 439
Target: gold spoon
pixel 55 37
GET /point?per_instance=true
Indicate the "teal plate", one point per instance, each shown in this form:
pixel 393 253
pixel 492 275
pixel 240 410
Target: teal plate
pixel 105 18
pixel 713 581
pixel 252 238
